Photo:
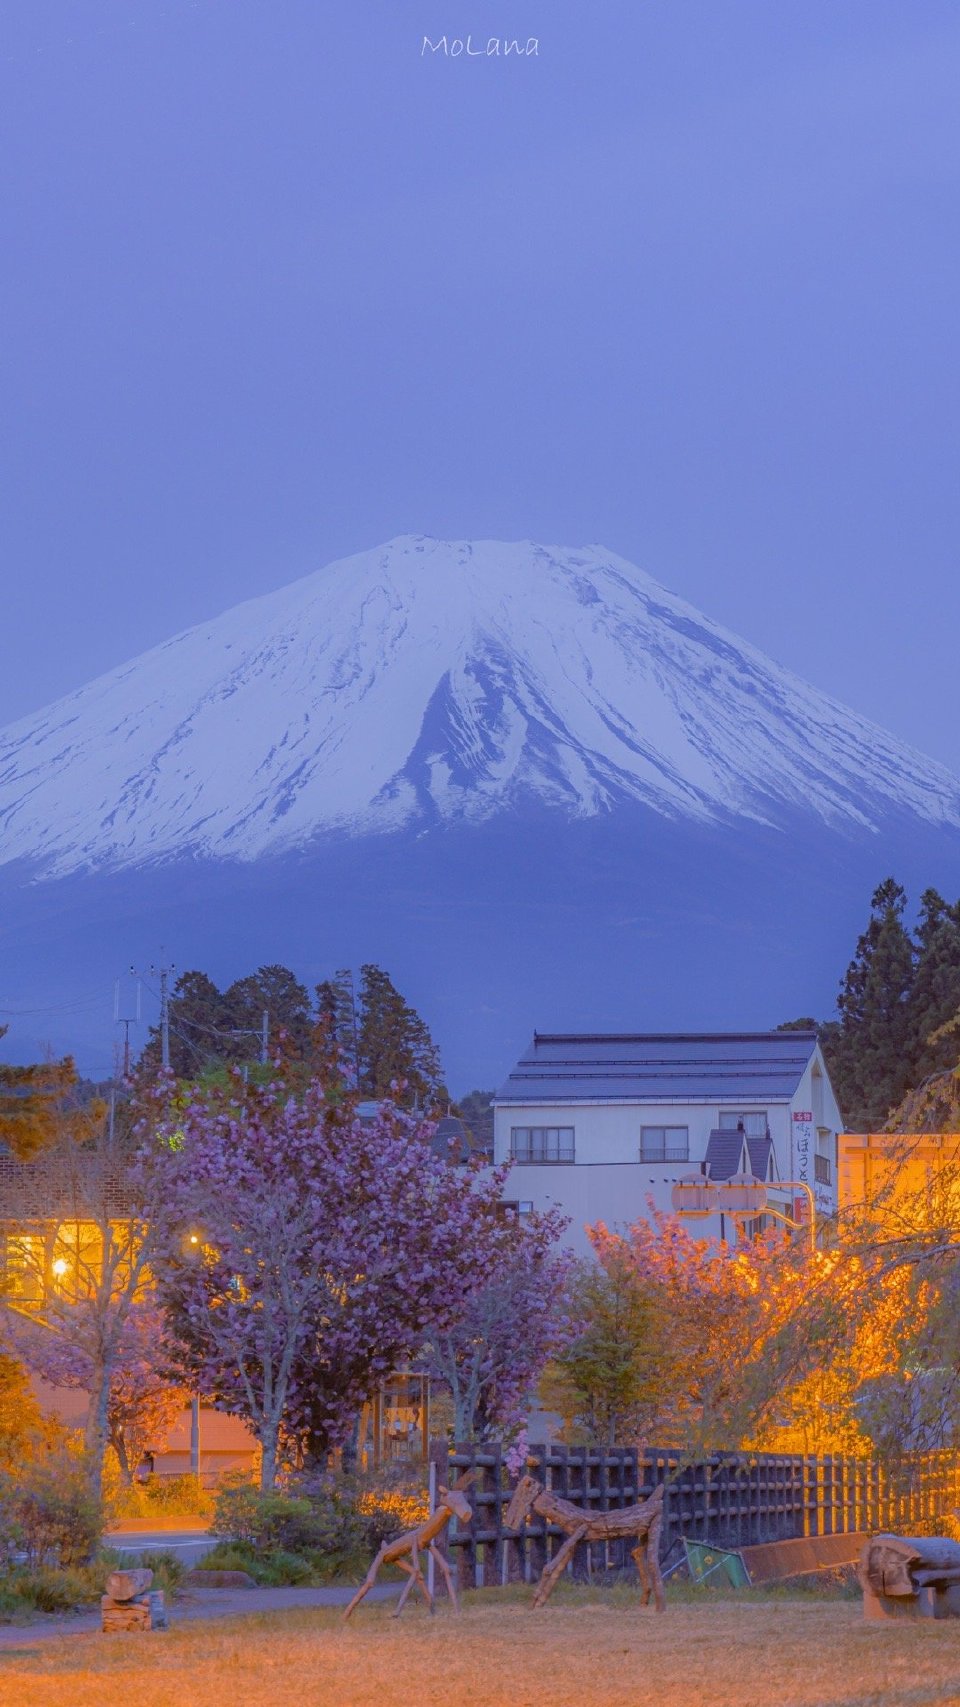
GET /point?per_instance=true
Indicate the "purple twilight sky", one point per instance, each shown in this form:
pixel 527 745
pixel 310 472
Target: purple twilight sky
pixel 277 286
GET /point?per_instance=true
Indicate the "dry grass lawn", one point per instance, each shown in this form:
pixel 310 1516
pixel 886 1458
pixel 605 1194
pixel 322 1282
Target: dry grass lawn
pixel 590 1649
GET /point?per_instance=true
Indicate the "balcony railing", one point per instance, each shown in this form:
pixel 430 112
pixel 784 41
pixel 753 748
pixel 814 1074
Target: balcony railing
pixel 661 1152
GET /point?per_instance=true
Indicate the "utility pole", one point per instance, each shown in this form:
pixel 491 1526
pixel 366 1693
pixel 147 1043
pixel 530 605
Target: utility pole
pixel 126 1020
pixel 162 973
pixel 262 1036
pixel 356 1037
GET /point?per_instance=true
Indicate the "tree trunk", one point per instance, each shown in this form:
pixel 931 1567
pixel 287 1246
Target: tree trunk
pixel 463 1410
pixel 268 1460
pixel 96 1431
pixel 120 1448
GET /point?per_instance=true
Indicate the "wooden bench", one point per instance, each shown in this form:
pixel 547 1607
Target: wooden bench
pixel 910 1577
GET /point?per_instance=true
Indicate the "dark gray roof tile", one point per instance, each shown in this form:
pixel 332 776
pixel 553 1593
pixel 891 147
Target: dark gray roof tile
pixel 748 1067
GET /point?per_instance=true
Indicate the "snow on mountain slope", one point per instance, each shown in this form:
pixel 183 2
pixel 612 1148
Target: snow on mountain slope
pixel 430 680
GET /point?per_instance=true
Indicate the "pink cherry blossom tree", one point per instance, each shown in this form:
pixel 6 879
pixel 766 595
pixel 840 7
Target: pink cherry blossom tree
pixel 142 1403
pixel 492 1354
pixel 85 1249
pixel 304 1253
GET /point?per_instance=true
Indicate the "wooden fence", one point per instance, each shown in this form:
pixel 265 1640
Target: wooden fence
pixel 731 1499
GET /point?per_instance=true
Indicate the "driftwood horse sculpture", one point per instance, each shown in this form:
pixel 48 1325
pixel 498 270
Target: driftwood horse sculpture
pixel 405 1550
pixel 644 1521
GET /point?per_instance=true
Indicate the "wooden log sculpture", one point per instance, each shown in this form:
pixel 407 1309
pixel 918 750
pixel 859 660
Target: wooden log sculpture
pixel 645 1521
pixel 406 1549
pixel 910 1577
pixel 129 1604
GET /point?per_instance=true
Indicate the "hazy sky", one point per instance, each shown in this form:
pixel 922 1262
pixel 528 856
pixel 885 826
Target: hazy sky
pixel 275 287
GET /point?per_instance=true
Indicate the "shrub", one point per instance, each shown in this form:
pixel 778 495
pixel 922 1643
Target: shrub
pixel 387 1507
pixel 230 1556
pixel 318 1528
pixel 168 1570
pixel 55 1515
pixel 242 1512
pixel 276 1568
pixel 281 1569
pixel 175 1496
pixel 51 1590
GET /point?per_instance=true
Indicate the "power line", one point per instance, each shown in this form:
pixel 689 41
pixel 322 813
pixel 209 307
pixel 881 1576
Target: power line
pixel 162 972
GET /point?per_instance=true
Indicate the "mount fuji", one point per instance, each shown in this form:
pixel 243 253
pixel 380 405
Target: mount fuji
pixel 538 786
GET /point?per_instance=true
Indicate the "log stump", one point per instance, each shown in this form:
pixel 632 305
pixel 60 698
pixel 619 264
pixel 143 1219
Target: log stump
pixel 131 1604
pixel 910 1577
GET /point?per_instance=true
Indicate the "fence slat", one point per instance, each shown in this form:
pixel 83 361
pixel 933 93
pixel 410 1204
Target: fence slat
pixel 726 1499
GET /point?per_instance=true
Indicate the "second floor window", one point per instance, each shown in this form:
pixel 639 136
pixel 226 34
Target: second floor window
pixel 664 1143
pixel 541 1143
pixel 821 1169
pixel 753 1121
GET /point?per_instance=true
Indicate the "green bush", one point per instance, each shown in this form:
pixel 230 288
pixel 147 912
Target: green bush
pixel 48 1506
pixel 174 1496
pixel 230 1556
pixel 50 1590
pixel 321 1522
pixel 168 1570
pixel 281 1569
pixel 242 1512
pixel 316 1529
pixel 271 1568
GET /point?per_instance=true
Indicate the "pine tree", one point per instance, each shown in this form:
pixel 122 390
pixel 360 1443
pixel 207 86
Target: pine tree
pixel 197 1035
pixel 337 1014
pixel 30 1102
pixel 870 1054
pixel 274 991
pixel 476 1109
pixel 935 997
pixel 397 1055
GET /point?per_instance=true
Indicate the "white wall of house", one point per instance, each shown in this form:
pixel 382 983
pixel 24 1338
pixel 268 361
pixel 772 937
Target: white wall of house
pixel 607 1180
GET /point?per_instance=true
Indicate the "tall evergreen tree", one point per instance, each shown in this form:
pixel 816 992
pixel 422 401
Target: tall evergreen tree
pixel 935 996
pixel 397 1055
pixel 869 1053
pixel 274 991
pixel 197 1028
pixel 31 1099
pixel 337 1014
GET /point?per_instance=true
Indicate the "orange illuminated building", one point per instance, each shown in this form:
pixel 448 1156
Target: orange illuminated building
pixel 897 1170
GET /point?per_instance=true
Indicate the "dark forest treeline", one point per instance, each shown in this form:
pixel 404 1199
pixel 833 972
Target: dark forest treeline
pixel 382 1043
pixel 897 999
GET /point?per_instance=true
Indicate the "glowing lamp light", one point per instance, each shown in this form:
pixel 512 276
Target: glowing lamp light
pixel 60 1266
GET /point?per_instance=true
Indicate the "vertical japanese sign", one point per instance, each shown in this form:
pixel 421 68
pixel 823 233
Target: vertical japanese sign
pixel 803 1149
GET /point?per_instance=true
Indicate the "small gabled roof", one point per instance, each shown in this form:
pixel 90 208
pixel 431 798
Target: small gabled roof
pixel 725 1155
pixel 763 1158
pixel 752 1067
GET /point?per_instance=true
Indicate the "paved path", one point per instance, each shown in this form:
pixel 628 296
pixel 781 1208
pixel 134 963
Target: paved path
pixel 190 1545
pixel 196 1603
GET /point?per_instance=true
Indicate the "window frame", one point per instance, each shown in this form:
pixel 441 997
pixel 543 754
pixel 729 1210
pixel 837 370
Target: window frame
pixel 676 1152
pixel 727 1120
pixel 565 1141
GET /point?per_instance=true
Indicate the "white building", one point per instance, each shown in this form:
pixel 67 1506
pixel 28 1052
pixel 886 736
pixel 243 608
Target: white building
pixel 598 1125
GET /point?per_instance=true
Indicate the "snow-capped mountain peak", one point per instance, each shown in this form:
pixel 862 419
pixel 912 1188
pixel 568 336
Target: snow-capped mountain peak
pixel 427 681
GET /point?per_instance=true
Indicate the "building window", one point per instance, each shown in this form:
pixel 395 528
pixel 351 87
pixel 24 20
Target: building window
pixel 541 1143
pixel 664 1143
pixel 752 1120
pixel 821 1169
pixel 25 1268
pixel 514 1210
